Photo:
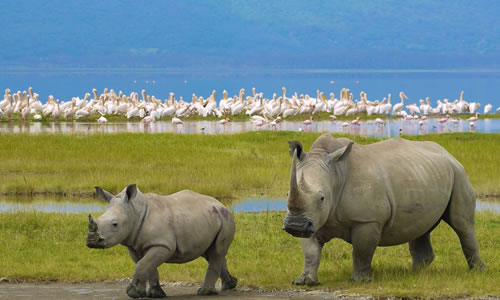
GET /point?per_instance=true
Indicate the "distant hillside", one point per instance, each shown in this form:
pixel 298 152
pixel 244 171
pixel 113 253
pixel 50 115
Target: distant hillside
pixel 235 33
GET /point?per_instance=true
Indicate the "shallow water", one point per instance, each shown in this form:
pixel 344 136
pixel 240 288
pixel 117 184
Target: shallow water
pixel 393 127
pixel 48 205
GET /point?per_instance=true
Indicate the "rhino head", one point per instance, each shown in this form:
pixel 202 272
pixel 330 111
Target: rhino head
pixel 315 181
pixel 117 222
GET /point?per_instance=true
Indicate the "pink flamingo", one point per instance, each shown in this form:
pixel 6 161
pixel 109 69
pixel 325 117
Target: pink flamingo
pixel 260 123
pixel 333 117
pixel 308 122
pixel 443 120
pixel 224 121
pixel 473 119
pixel 379 121
pixel 355 122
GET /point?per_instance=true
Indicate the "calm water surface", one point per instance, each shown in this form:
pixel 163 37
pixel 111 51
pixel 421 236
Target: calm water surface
pixel 49 205
pixel 367 128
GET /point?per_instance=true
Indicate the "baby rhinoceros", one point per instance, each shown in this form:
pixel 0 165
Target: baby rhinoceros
pixel 157 229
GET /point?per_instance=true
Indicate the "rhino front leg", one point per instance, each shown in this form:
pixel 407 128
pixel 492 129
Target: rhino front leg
pixel 155 290
pixel 365 238
pixel 145 271
pixel 312 257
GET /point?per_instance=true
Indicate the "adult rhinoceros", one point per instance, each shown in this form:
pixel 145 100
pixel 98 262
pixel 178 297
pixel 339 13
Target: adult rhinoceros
pixel 387 193
pixel 165 229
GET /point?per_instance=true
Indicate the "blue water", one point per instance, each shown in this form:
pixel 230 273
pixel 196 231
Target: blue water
pixel 244 205
pixel 439 84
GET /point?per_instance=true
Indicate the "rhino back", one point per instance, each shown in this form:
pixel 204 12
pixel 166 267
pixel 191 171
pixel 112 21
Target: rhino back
pixel 404 185
pixel 187 222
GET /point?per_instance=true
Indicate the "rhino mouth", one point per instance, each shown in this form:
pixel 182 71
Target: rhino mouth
pixel 298 226
pixel 94 240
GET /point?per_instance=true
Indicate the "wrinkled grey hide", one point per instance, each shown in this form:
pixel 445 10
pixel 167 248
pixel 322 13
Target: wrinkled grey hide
pixel 156 229
pixel 388 193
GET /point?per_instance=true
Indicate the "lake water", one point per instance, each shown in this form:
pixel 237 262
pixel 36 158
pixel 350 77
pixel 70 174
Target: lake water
pixel 367 128
pixel 479 86
pixel 48 205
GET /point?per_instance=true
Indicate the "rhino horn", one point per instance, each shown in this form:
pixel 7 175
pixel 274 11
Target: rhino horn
pixel 92 224
pixel 294 195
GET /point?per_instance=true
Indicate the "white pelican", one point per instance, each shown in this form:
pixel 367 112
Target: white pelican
pixel 399 106
pixel 487 108
pixel 177 121
pixel 102 120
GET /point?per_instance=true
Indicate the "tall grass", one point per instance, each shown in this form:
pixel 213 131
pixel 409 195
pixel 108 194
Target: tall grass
pixel 39 246
pixel 224 166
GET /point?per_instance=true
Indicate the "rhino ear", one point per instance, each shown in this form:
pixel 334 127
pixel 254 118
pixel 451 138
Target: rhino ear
pixel 296 145
pixel 131 192
pixel 339 154
pixel 103 195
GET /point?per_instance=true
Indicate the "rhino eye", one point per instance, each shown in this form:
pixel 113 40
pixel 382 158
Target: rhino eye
pixel 115 224
pixel 322 198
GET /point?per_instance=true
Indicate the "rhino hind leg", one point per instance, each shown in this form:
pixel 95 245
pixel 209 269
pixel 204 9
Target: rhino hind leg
pixel 213 273
pixel 421 251
pixel 217 266
pixel 228 281
pixel 470 246
pixel 460 215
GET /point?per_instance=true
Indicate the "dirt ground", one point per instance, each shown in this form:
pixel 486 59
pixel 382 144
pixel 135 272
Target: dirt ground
pixel 116 290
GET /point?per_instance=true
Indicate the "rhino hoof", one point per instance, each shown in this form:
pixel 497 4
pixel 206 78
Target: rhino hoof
pixel 206 292
pixel 305 280
pixel 479 267
pixel 361 277
pixel 157 292
pixel 230 284
pixel 133 292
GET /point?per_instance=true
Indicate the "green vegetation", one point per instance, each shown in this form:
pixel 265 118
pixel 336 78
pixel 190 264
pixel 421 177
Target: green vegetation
pixel 224 166
pixel 39 246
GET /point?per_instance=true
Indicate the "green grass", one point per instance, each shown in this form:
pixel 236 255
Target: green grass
pixel 224 166
pixel 44 247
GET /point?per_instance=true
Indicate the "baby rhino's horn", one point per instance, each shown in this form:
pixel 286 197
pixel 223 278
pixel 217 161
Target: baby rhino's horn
pixel 92 224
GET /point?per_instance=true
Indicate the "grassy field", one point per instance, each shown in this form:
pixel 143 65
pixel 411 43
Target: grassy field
pixel 44 247
pixel 224 166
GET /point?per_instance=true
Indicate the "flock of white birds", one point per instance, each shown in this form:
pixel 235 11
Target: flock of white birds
pixel 260 110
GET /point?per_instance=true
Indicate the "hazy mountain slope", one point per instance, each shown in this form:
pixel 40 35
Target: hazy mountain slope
pixel 385 33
